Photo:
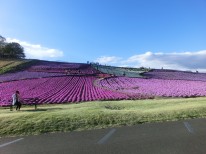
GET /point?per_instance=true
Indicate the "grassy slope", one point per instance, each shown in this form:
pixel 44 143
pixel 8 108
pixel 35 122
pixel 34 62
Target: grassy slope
pixel 14 65
pixel 4 63
pixel 90 115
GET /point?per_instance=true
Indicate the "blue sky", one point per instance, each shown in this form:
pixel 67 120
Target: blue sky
pixel 150 33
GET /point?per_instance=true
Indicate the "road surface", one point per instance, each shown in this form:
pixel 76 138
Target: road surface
pixel 181 137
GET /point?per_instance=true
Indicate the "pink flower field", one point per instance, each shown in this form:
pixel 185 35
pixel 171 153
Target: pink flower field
pixel 57 90
pixel 47 83
pixel 155 87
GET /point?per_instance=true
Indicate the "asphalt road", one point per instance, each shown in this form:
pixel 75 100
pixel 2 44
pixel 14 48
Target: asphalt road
pixel 182 137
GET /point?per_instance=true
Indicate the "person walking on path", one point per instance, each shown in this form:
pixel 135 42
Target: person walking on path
pixel 16 100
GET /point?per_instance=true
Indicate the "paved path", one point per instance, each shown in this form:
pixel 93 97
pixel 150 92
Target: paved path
pixel 182 137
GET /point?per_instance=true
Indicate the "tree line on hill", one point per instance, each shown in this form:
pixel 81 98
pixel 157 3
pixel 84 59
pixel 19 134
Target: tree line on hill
pixel 10 50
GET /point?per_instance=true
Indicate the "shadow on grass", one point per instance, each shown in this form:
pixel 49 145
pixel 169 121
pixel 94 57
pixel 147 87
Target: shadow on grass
pixel 41 110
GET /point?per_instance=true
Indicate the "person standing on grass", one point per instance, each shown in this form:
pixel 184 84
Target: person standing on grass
pixel 16 100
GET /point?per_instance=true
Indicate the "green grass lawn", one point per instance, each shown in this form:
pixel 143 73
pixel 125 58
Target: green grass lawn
pixel 99 114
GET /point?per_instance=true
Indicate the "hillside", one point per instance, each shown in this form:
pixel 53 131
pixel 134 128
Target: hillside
pixel 121 71
pixel 45 82
pixel 12 65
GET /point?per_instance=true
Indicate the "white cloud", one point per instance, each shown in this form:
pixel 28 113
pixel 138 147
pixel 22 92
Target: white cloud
pixel 174 60
pixel 108 60
pixel 36 51
pixel 182 60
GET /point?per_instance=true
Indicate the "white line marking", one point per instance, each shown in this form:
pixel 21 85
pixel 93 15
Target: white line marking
pixel 5 144
pixel 189 127
pixel 106 137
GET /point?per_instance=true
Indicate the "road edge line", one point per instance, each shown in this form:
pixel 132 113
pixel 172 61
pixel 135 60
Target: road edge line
pixel 5 144
pixel 106 137
pixel 189 127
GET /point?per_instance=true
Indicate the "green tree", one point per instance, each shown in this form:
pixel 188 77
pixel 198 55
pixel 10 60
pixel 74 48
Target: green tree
pixel 2 40
pixel 13 50
pixel 2 44
pixel 10 50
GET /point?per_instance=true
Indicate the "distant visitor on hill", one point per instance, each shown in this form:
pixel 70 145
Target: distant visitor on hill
pixel 16 100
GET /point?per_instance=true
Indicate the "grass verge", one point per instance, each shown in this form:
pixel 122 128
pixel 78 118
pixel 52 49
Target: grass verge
pixel 95 115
